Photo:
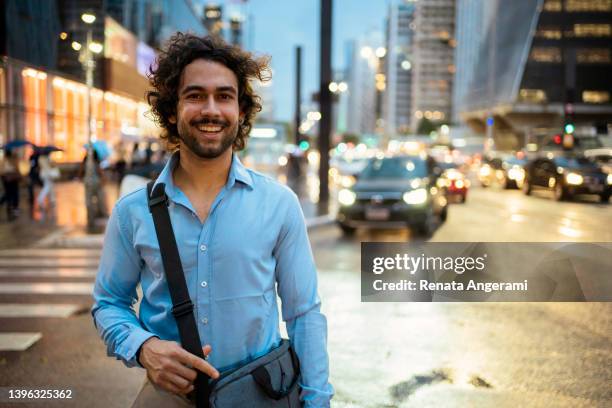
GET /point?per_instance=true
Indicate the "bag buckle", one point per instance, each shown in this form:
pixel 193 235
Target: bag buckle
pixel 163 199
pixel 182 308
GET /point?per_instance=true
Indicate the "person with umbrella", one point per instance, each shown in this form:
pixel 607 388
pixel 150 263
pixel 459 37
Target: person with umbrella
pixel 48 173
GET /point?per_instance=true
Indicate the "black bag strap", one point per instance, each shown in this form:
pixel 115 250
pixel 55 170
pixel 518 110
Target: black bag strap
pixel 182 308
pixel 263 379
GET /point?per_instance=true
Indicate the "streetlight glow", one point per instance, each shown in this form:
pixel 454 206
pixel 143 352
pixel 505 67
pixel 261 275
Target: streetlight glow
pixel 381 52
pixel 96 47
pixel 333 87
pixel 366 52
pixel 342 87
pixel 76 46
pixel 88 18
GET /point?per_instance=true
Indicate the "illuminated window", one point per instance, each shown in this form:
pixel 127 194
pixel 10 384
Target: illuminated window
pixel 553 5
pixel 593 56
pixel 546 54
pixel 596 96
pixel 550 33
pixel 588 5
pixel 592 30
pixel 532 95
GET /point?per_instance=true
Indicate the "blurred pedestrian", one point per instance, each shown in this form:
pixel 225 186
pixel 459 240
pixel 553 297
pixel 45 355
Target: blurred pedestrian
pixel 11 177
pixel 46 198
pixel 34 178
pixel 99 197
pixel 240 235
pixel 121 162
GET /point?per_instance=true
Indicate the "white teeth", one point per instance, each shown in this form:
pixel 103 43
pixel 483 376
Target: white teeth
pixel 210 129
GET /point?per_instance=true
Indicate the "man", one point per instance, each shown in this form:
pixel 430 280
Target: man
pixel 240 235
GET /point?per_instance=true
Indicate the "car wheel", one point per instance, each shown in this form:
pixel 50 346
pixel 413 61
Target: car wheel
pixel 425 228
pixel 463 198
pixel 444 214
pixel 605 197
pixel 560 193
pixel 527 187
pixel 505 183
pixel 347 231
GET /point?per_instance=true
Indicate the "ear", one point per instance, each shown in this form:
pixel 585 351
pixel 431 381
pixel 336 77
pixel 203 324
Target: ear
pixel 172 119
pixel 241 118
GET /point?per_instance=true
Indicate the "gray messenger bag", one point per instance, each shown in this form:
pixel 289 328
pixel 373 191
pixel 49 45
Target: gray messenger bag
pixel 268 382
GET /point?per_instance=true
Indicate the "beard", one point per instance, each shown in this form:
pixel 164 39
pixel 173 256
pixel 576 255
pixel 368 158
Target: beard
pixel 205 149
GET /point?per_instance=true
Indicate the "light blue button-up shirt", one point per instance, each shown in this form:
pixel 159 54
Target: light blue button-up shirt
pixel 252 244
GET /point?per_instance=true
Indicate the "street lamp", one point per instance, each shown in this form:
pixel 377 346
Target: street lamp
pixel 91 179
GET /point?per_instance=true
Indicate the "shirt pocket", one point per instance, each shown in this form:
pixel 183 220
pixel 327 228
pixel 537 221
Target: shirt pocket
pixel 246 316
pixel 152 260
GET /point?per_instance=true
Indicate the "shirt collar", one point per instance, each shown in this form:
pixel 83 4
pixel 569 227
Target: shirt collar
pixel 237 173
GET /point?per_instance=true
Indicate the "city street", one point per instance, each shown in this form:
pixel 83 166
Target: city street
pixel 381 354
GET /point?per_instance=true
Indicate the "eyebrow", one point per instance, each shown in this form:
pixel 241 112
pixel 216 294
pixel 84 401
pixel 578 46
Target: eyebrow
pixel 227 88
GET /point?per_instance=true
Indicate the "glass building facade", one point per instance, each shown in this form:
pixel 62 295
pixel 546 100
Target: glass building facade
pixel 536 59
pixel 43 97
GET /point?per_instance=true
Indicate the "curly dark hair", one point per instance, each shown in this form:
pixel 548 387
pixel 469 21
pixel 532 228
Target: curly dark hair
pixel 180 51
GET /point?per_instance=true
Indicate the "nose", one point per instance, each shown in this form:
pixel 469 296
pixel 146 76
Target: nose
pixel 210 108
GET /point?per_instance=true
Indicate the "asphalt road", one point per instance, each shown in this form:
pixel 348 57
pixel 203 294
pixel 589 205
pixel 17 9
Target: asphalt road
pixel 469 354
pixel 381 354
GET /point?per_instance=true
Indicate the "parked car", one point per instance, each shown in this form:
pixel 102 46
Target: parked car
pixel 567 175
pixel 394 192
pixel 504 170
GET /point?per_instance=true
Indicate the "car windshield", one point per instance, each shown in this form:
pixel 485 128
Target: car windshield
pixel 574 162
pixel 394 168
pixel 515 161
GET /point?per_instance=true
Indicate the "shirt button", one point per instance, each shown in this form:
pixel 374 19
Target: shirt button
pixel 203 247
pixel 205 320
pixel 204 284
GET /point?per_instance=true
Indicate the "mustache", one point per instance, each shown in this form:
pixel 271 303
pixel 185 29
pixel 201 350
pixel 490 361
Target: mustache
pixel 217 122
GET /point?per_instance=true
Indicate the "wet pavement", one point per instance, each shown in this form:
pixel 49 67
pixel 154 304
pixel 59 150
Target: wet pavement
pixel 381 354
pixel 469 354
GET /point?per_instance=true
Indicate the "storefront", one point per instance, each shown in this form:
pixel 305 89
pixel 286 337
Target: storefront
pixel 48 109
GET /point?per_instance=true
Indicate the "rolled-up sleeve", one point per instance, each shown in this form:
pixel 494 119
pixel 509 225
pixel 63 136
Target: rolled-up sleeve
pixel 296 275
pixel 115 293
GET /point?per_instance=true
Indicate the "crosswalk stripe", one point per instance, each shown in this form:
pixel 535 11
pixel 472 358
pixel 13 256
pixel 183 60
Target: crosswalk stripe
pixel 48 263
pixel 50 252
pixel 18 310
pixel 47 288
pixel 18 341
pixel 48 273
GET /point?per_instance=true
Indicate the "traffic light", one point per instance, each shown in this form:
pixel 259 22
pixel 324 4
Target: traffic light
pixel 568 116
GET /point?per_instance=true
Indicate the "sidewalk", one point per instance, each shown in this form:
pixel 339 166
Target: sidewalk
pixel 68 229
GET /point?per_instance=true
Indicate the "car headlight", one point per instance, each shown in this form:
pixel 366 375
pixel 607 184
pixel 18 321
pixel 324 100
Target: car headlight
pixel 573 178
pixel 516 173
pixel 485 171
pixel 347 197
pixel 459 184
pixel 418 196
pixel 610 179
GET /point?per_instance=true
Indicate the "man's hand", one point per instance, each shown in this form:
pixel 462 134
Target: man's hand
pixel 171 367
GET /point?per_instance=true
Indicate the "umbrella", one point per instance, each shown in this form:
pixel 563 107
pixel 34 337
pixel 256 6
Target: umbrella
pixel 13 144
pixel 45 150
pixel 101 148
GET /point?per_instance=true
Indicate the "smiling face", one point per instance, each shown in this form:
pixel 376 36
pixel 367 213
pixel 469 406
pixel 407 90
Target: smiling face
pixel 208 113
